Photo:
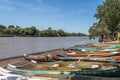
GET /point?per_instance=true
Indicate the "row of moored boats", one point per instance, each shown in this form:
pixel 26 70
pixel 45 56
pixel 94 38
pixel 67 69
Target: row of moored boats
pixel 77 61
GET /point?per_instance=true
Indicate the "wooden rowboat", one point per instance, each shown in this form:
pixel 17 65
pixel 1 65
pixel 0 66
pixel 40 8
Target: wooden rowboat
pixel 38 58
pixel 109 71
pixel 99 54
pixel 111 48
pixel 57 58
pixel 49 58
pixel 64 57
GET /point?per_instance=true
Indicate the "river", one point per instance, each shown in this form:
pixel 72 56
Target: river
pixel 17 46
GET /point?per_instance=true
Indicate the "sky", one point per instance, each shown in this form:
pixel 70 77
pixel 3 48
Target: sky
pixel 69 15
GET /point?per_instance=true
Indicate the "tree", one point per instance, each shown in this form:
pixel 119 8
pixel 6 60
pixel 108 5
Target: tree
pixel 11 26
pixel 12 30
pixel 2 27
pixel 61 32
pixel 17 29
pixel 99 30
pixel 34 31
pixel 109 13
pixel 50 32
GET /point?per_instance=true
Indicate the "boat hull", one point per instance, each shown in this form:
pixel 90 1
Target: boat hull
pixel 115 72
pixel 38 58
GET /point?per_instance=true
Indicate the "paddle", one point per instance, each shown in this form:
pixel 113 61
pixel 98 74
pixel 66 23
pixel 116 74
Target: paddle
pixel 83 58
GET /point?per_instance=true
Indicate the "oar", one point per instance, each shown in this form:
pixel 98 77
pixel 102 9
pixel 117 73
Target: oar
pixel 73 63
pixel 79 59
pixel 83 58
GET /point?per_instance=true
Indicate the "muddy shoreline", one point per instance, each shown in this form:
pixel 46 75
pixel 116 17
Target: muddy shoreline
pixel 20 59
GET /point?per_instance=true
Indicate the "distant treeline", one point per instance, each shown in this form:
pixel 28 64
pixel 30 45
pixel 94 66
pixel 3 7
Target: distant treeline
pixel 11 30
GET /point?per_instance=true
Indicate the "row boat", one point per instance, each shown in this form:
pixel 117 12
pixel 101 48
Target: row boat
pixel 111 48
pixel 51 58
pixel 108 71
pixel 38 58
pixel 64 57
pixel 99 54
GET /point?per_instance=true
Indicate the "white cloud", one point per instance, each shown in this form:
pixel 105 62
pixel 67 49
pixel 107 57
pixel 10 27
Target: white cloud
pixel 38 7
pixel 6 8
pixel 77 11
pixel 52 17
pixel 39 1
pixel 4 1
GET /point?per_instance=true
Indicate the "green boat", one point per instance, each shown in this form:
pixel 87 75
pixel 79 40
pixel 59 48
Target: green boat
pixel 111 48
pixel 112 71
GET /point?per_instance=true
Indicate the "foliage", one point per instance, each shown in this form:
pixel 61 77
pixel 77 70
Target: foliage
pixel 2 27
pixel 12 30
pixel 109 14
pixel 98 30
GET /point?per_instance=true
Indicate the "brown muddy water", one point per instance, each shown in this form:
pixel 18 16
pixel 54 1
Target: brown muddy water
pixel 17 46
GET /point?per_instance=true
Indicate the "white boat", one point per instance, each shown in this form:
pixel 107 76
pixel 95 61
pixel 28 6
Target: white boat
pixel 8 75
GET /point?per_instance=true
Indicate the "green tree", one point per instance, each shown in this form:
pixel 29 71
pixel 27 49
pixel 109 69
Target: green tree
pixel 62 33
pixel 12 30
pixel 50 32
pixel 34 31
pixel 11 26
pixel 109 13
pixel 2 27
pixel 17 29
pixel 99 30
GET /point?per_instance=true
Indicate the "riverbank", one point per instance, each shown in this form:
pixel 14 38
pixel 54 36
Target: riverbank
pixel 20 59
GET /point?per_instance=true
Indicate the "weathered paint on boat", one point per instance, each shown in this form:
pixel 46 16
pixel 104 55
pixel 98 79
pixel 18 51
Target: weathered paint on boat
pixel 112 72
pixel 101 73
pixel 111 48
pixel 38 58
pixel 99 54
pixel 24 71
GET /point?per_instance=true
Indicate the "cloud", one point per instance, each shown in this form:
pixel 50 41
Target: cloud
pixel 38 7
pixel 4 1
pixel 6 8
pixel 77 11
pixel 39 1
pixel 5 5
pixel 35 5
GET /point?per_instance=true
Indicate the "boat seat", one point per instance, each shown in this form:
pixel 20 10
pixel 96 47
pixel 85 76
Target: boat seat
pixel 95 66
pixel 56 65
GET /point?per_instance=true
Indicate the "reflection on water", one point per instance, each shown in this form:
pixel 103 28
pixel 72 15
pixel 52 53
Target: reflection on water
pixel 16 46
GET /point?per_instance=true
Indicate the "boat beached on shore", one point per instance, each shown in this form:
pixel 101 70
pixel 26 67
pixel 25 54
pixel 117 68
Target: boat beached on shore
pixel 95 70
pixel 97 54
pixel 38 58
pixel 52 65
pixel 109 48
pixel 65 57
